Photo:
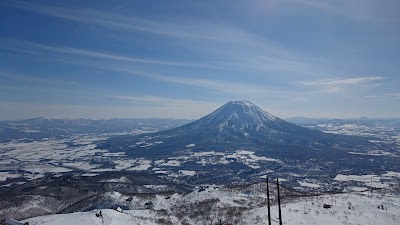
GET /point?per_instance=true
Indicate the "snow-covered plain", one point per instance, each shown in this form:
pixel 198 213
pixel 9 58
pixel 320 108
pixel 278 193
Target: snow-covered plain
pixel 39 157
pixel 60 157
pixel 31 160
pixel 375 181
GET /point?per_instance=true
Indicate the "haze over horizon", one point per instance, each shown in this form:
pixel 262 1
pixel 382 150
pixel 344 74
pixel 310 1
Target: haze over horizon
pixel 184 59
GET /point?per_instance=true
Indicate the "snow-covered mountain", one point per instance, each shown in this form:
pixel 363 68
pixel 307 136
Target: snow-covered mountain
pixel 235 125
pixel 243 119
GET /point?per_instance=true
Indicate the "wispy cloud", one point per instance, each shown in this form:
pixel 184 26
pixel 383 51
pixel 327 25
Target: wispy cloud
pixel 337 84
pixel 277 60
pixel 184 30
pixel 221 35
pixel 211 84
pixel 223 45
pixel 26 46
pixel 124 65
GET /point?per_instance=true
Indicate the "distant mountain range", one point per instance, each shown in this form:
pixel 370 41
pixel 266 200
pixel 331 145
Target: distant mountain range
pixel 235 125
pixel 306 120
pixel 38 128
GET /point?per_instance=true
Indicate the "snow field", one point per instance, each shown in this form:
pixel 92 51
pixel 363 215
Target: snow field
pixel 348 209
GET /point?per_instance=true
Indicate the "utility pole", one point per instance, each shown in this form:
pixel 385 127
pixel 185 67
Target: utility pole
pixel 279 202
pixel 269 209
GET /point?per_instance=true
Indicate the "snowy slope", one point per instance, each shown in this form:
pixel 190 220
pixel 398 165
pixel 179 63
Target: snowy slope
pixel 350 208
pixel 110 217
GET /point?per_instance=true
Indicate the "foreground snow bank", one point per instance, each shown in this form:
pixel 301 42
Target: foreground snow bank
pixel 109 217
pixel 351 209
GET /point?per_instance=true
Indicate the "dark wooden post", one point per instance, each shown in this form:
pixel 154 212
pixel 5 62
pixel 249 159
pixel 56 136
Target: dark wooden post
pixel 279 202
pixel 268 204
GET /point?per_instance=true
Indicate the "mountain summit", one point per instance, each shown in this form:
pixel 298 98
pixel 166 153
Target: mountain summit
pixel 239 115
pixel 235 125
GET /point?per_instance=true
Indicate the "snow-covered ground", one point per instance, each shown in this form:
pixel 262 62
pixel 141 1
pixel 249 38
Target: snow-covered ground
pixel 110 217
pixel 39 157
pixel 350 208
pixel 22 161
pixel 84 156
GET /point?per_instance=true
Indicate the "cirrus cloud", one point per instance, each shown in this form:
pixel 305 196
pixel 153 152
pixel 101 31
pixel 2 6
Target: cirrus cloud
pixel 338 84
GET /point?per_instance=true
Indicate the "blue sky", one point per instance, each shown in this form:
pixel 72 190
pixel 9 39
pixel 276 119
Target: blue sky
pixel 183 59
